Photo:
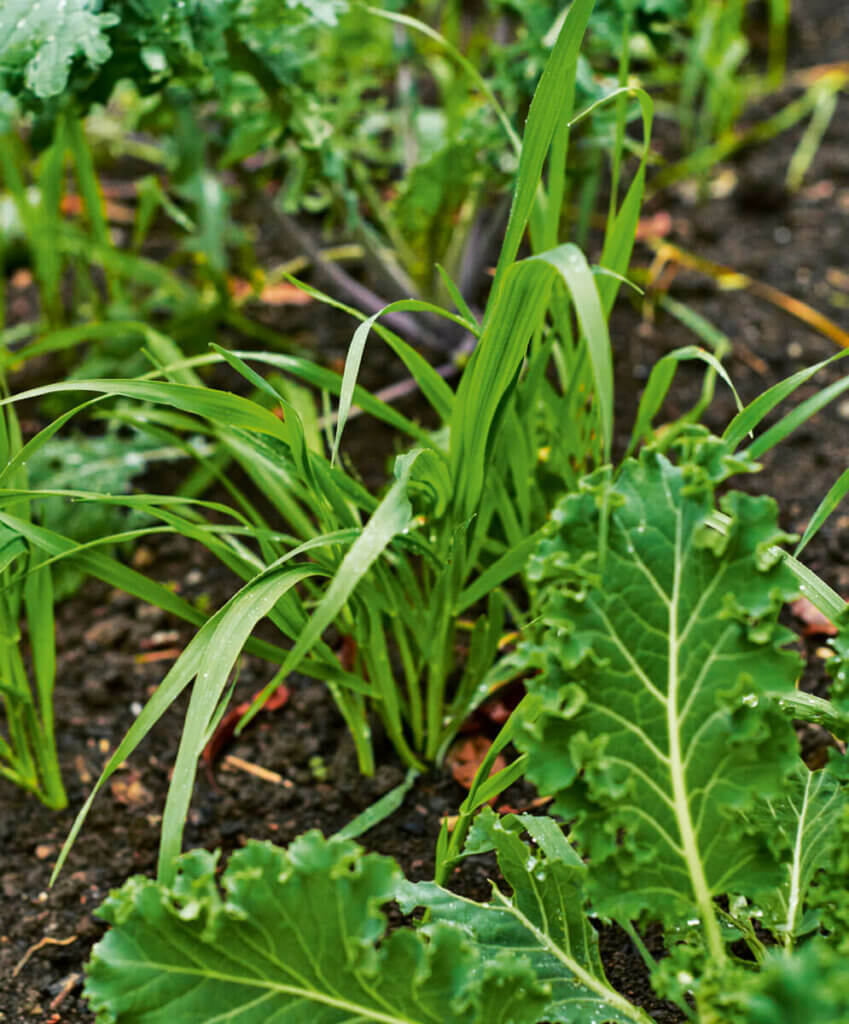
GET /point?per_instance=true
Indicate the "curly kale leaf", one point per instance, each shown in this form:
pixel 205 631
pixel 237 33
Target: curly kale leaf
pixel 39 39
pixel 809 985
pixel 298 935
pixel 661 663
pixel 544 920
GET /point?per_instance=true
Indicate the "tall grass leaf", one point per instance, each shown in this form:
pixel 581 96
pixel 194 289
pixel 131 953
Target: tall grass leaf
pixel 392 516
pixel 291 420
pixel 355 355
pixel 619 238
pixel 432 386
pixel 222 628
pixel 463 308
pixel 138 270
pixel 518 308
pixel 549 231
pixel 466 65
pixel 219 406
pixel 510 563
pixel 38 598
pixel 545 113
pixel 709 333
pixel 755 412
pixel 217 657
pixel 104 568
pixel 658 384
pixel 829 503
pixel 514 315
pixel 380 810
pixel 26 452
pixel 321 377
pixel 803 412
pixel 169 358
pixel 177 679
pixel 586 294
pixel 109 570
pixel 64 338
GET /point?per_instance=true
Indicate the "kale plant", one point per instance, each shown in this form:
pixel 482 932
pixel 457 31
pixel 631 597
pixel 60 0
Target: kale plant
pixel 657 723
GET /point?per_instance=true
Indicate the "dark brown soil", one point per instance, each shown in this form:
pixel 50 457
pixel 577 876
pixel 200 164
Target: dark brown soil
pixel 795 243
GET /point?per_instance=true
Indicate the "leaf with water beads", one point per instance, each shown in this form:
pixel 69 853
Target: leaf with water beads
pixel 662 665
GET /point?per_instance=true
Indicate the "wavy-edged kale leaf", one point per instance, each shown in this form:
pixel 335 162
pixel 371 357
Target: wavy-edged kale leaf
pixel 544 919
pixel 661 659
pixel 298 935
pixel 39 39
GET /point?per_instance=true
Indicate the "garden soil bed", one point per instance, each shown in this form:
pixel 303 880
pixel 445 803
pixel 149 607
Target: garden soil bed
pixel 114 650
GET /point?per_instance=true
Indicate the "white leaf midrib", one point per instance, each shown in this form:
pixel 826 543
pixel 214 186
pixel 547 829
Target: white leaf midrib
pixel 677 768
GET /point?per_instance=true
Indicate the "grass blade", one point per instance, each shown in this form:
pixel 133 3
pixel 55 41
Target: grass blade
pixel 756 411
pixel 829 503
pixel 545 112
pixel 216 658
pixel 392 515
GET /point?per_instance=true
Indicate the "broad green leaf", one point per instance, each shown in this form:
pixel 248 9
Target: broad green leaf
pixel 661 663
pixel 810 985
pixel 298 936
pixel 42 37
pixel 544 920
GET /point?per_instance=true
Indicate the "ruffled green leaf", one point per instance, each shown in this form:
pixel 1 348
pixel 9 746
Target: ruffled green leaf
pixel 811 985
pixel 544 921
pixel 297 936
pixel 42 37
pixel 661 663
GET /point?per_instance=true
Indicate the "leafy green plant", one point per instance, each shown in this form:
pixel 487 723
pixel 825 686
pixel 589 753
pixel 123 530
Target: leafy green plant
pixel 259 952
pixel 658 722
